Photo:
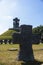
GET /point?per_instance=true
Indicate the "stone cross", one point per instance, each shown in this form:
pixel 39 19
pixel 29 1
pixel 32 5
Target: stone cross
pixel 24 38
pixel 16 19
pixel 16 23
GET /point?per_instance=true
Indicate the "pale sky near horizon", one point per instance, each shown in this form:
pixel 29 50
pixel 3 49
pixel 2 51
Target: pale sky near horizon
pixel 29 12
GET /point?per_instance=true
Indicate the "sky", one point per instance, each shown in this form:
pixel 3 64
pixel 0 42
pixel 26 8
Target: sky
pixel 30 12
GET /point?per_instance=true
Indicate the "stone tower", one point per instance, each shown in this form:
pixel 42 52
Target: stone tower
pixel 16 23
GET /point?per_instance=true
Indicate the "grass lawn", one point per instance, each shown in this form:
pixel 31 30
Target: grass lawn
pixel 9 57
pixel 38 52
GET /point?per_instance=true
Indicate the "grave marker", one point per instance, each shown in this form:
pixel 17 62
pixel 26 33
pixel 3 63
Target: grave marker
pixel 24 38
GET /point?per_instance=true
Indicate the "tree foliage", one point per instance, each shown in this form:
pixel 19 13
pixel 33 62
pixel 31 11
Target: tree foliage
pixel 38 29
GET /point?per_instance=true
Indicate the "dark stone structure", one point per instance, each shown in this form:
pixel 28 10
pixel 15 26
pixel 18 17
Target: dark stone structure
pixel 36 38
pixel 26 52
pixel 42 38
pixel 16 37
pixel 24 38
pixel 16 23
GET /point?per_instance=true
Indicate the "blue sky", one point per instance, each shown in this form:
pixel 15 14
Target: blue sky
pixel 29 12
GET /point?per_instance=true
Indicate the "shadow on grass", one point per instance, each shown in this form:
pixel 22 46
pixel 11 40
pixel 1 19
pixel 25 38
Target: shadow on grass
pixel 35 62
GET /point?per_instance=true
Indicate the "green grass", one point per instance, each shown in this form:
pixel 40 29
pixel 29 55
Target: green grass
pixel 38 54
pixel 7 34
pixel 9 57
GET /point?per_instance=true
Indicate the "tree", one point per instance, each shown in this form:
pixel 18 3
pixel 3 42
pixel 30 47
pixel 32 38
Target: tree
pixel 38 29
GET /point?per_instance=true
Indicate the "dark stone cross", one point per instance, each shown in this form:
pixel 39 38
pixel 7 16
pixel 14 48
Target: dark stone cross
pixel 16 19
pixel 24 38
pixel 16 23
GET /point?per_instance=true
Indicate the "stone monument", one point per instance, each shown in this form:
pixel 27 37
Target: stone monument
pixel 26 52
pixel 36 38
pixel 16 23
pixel 24 38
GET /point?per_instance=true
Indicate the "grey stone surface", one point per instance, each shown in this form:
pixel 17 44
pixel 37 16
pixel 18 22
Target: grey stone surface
pixel 36 38
pixel 16 37
pixel 16 23
pixel 26 52
pixel 24 38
